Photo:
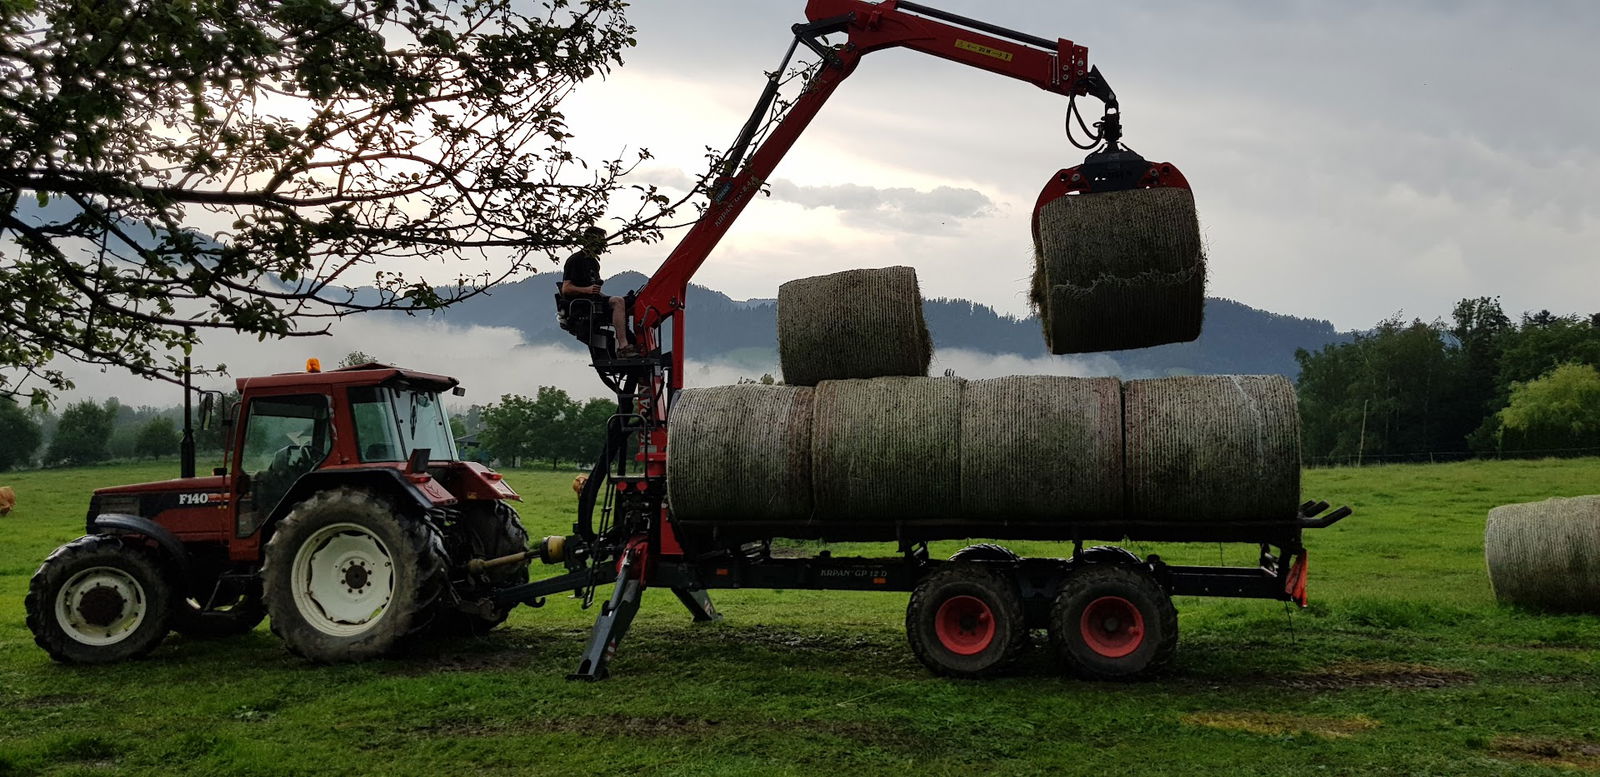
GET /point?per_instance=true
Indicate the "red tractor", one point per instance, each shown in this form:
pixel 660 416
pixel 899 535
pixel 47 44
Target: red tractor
pixel 343 512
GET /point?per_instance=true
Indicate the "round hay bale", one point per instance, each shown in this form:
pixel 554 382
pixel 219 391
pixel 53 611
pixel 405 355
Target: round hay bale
pixel 1546 555
pixel 887 449
pixel 852 324
pixel 1211 448
pixel 1041 448
pixel 1119 270
pixel 740 453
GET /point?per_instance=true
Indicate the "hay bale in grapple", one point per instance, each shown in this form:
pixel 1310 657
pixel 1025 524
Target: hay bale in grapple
pixel 887 449
pixel 852 324
pixel 1039 448
pixel 740 453
pixel 1119 270
pixel 1546 555
pixel 1211 448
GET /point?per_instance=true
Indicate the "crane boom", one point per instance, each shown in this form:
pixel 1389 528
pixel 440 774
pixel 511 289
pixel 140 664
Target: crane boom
pixel 1059 66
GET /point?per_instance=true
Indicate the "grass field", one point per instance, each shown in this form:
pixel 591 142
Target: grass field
pixel 1403 665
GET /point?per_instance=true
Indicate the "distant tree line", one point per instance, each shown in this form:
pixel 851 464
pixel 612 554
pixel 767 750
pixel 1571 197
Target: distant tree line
pixel 1480 384
pixel 87 432
pixel 549 427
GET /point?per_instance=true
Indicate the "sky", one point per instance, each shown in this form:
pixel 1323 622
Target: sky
pixel 1350 161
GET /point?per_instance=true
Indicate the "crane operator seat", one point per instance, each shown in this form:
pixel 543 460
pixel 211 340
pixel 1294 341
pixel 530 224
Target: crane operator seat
pixel 586 318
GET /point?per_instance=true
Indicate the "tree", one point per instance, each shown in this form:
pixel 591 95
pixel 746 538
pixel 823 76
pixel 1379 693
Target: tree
pixel 170 167
pixel 82 433
pixel 20 433
pixel 1560 410
pixel 158 437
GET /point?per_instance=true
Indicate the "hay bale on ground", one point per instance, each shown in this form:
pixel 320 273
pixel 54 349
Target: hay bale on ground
pixel 1041 448
pixel 740 453
pixel 852 324
pixel 1119 270
pixel 1546 555
pixel 1211 448
pixel 887 449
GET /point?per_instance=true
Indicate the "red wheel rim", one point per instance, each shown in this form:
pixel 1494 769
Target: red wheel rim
pixel 1112 626
pixel 964 625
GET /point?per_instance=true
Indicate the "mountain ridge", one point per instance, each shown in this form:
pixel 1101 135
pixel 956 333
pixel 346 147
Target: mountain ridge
pixel 1237 339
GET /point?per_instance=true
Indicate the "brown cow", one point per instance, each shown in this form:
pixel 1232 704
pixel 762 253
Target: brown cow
pixel 578 483
pixel 8 500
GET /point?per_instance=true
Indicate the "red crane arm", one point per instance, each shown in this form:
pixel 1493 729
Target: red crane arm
pixel 1058 66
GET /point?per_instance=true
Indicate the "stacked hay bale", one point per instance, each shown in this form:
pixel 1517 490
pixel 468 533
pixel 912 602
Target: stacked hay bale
pixel 887 449
pixel 852 324
pixel 1546 555
pixel 1041 448
pixel 1119 270
pixel 1212 448
pixel 741 453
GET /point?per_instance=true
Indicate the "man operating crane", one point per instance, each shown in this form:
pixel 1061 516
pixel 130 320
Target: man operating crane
pixel 580 278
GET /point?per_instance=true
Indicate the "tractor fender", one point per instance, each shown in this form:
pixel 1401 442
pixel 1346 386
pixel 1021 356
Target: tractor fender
pixel 1110 554
pixel 381 480
pixel 133 525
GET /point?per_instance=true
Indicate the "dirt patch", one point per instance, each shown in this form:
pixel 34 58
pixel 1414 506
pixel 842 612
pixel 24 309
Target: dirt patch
pixel 48 701
pixel 1280 724
pixel 676 726
pixel 1548 752
pixel 1378 674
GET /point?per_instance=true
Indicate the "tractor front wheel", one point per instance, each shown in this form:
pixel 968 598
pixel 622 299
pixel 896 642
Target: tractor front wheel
pixel 1113 622
pixel 347 577
pixel 98 599
pixel 966 620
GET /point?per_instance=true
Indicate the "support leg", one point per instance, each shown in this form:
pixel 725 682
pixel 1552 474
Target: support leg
pixel 699 604
pixel 616 615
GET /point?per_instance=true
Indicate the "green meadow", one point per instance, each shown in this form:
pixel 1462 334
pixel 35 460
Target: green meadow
pixel 1402 665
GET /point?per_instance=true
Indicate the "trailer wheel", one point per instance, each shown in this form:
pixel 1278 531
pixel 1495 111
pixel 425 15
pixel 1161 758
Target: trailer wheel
pixel 985 551
pixel 96 600
pixel 346 577
pixel 1113 622
pixel 966 621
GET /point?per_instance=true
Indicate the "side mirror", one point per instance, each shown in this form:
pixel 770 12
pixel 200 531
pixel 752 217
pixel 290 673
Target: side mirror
pixel 208 407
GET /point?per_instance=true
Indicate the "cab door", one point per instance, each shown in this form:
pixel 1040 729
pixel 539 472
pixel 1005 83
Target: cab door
pixel 284 438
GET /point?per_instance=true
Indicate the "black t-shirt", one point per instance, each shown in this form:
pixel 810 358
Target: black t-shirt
pixel 582 269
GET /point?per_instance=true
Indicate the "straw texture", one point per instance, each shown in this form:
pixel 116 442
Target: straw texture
pixel 1041 448
pixel 1546 555
pixel 740 453
pixel 1212 448
pixel 852 324
pixel 1119 270
pixel 887 449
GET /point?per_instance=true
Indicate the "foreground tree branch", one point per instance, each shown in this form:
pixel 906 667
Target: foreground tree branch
pixel 244 166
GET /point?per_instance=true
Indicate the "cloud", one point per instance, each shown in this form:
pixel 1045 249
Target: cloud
pixel 976 365
pixel 902 208
pixel 489 362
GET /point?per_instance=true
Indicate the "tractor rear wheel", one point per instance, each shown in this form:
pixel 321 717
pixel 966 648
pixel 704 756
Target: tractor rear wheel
pixel 966 621
pixel 491 533
pixel 98 599
pixel 1113 622
pixel 347 577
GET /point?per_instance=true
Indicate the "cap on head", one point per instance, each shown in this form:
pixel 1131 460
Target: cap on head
pixel 595 233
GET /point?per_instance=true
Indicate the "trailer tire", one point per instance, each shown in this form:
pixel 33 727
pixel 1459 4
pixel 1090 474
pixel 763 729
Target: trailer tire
pixel 966 621
pixel 1113 622
pixel 99 599
pixel 985 551
pixel 390 567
